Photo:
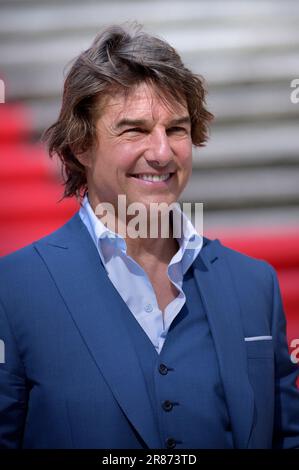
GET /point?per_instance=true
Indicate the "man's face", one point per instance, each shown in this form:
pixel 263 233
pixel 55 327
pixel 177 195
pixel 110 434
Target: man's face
pixel 134 134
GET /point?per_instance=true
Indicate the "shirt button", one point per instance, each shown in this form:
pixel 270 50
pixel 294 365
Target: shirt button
pixel 163 369
pixel 148 308
pixel 167 405
pixel 170 443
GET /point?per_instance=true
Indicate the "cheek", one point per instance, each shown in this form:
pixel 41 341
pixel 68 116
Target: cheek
pixel 113 161
pixel 127 155
pixel 185 155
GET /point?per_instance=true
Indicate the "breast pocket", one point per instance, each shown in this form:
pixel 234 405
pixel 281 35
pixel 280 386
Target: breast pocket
pixel 261 374
pixel 260 349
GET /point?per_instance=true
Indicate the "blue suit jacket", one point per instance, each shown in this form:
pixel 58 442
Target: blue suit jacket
pixel 71 377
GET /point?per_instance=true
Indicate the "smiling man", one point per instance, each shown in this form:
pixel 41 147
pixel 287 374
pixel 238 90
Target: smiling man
pixel 118 341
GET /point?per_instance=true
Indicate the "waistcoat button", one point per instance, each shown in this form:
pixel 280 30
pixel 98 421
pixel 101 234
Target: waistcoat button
pixel 163 369
pixel 167 405
pixel 170 443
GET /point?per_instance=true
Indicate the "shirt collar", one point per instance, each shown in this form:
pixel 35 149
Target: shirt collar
pixel 190 241
pixel 106 241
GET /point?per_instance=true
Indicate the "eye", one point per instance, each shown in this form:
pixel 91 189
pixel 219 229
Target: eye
pixel 134 130
pixel 177 130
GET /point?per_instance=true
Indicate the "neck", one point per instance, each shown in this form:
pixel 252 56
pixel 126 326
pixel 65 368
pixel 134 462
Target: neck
pixel 152 250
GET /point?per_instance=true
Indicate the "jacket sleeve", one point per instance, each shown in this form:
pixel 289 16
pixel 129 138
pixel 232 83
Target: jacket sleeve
pixel 13 393
pixel 286 420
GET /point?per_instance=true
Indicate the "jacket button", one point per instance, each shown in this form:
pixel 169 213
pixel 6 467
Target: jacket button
pixel 170 443
pixel 167 405
pixel 163 369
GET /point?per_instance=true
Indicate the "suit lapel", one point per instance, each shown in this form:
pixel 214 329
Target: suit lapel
pixel 223 311
pixel 98 310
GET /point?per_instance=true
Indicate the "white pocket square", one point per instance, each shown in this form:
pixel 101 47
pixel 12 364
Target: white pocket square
pixel 258 338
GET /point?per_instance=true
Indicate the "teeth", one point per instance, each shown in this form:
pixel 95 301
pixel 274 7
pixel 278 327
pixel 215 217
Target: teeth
pixel 154 178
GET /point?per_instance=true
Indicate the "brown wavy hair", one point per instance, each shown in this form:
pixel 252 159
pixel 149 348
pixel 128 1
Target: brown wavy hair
pixel 119 59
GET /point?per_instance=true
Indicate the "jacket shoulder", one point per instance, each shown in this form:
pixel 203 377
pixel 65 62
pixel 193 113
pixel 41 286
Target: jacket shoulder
pixel 240 262
pixel 27 252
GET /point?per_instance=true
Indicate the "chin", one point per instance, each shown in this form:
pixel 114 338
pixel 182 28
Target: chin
pixel 157 200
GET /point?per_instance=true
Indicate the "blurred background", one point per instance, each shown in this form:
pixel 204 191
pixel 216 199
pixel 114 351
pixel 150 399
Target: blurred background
pixel 247 176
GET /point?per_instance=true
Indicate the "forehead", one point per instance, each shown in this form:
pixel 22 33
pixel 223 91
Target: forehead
pixel 142 102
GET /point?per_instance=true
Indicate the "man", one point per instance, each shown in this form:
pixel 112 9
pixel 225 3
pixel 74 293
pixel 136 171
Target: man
pixel 118 341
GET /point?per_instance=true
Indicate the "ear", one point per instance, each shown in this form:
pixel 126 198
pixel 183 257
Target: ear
pixel 84 158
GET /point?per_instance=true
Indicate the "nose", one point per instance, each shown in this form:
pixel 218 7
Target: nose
pixel 159 151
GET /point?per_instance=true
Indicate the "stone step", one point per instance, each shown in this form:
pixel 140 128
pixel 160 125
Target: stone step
pixel 270 218
pixel 212 40
pixel 235 187
pixel 252 144
pixel 40 17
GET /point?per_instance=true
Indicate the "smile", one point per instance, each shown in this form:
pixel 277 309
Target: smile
pixel 153 178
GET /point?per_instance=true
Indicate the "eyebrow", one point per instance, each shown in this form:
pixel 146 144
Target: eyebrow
pixel 141 122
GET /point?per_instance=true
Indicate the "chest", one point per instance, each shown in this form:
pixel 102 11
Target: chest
pixel 165 291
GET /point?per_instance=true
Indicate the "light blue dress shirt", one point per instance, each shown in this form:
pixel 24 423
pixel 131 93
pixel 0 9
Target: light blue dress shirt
pixel 132 282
